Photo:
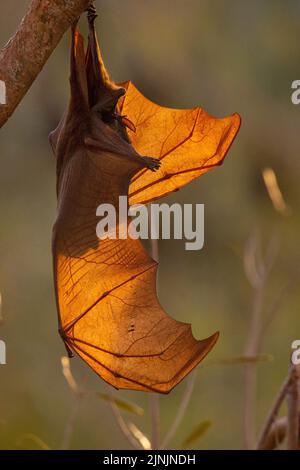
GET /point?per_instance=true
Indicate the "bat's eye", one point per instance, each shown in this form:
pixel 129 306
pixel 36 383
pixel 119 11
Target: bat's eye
pixel 102 115
pixel 105 116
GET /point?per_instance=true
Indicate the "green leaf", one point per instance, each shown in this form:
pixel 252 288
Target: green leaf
pixel 197 432
pixel 122 404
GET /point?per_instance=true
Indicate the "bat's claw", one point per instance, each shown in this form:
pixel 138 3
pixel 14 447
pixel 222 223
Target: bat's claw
pixel 91 13
pixel 64 338
pixel 152 163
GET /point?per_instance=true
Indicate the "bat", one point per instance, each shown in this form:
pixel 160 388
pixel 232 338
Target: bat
pixel 112 142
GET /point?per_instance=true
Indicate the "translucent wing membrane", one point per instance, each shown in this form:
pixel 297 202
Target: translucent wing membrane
pixel 188 142
pixel 108 309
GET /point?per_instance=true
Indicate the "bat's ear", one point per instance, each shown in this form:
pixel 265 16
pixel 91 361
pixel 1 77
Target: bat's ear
pixel 78 79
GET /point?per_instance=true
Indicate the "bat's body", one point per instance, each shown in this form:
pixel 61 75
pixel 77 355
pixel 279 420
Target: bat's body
pixel 108 309
pixel 106 290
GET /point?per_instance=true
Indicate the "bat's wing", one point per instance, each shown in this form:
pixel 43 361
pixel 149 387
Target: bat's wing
pixel 111 317
pixel 188 142
pixel 106 289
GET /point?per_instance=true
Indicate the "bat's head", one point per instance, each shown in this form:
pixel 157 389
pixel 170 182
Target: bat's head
pixel 105 107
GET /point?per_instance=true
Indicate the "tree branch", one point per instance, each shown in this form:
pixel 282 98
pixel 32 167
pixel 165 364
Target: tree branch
pixel 25 54
pixel 284 390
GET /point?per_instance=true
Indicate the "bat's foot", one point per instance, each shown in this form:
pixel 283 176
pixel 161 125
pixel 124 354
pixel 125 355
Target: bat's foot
pixel 91 13
pixel 152 163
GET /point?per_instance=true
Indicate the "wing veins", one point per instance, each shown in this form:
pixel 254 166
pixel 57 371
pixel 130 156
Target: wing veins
pixel 104 295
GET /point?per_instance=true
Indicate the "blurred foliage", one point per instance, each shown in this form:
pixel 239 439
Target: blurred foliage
pixel 124 405
pixel 196 434
pixel 226 56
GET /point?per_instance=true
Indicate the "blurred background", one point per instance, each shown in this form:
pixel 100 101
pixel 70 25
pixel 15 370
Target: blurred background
pixel 226 56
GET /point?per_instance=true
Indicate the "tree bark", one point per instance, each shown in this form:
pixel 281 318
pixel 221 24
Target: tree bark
pixel 25 54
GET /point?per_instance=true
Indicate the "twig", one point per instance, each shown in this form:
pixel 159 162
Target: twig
pixel 70 425
pixel 273 413
pixel 25 54
pixel 155 420
pixel 274 192
pixel 277 434
pixel 292 410
pixel 278 298
pixel 78 395
pixel 181 410
pixel 252 350
pixel 123 425
pixel 140 436
pixel 257 271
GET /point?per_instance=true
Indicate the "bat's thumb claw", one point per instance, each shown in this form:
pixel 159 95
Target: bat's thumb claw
pixel 152 163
